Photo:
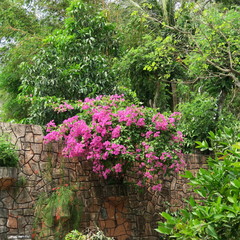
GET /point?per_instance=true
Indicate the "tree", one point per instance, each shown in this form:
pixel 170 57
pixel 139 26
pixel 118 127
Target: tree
pixel 75 63
pixel 150 64
pixel 214 55
pixel 20 35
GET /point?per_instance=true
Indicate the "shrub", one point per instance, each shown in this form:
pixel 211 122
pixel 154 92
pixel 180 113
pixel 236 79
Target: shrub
pixel 59 211
pixel 116 136
pixel 217 215
pixel 198 118
pixel 8 155
pixel 91 235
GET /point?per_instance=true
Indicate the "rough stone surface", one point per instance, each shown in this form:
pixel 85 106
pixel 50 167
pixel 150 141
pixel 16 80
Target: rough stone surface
pixel 120 211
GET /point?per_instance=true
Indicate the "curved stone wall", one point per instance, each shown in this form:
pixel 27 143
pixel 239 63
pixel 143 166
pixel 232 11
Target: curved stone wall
pixel 120 211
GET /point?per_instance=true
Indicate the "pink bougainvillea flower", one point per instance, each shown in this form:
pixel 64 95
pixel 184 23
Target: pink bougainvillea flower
pixel 118 168
pixel 110 133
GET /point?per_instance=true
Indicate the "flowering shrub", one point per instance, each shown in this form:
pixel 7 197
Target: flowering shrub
pixel 117 136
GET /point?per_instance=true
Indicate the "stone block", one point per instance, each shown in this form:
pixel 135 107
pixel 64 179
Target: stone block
pixel 28 212
pixel 12 222
pixel 24 197
pixel 35 168
pixel 38 138
pixel 36 158
pixel 37 130
pixel 3 229
pixel 21 224
pixel 3 221
pixel 37 148
pixel 29 137
pixel 19 130
pixel 7 201
pixel 27 170
pixel 25 146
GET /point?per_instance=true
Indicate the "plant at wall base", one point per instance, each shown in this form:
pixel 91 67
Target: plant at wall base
pixel 91 235
pixel 8 155
pixel 116 136
pixel 217 214
pixel 56 213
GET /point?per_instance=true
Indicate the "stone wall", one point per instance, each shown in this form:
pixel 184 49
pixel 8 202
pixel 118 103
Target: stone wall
pixel 121 211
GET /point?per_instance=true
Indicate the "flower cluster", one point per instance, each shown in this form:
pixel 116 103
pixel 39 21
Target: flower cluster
pixel 117 136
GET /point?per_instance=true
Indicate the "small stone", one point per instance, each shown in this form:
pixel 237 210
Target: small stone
pixel 38 138
pixel 37 129
pixel 37 148
pixel 3 229
pixel 27 170
pixel 26 146
pixel 29 137
pixel 12 222
pixel 24 197
pixel 3 221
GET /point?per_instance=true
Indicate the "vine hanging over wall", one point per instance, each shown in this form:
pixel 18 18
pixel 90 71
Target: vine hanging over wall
pixel 116 135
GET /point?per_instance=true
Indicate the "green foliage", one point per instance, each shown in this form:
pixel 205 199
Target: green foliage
pixel 75 235
pixel 91 235
pixel 216 46
pixel 42 108
pixel 198 118
pixel 150 67
pixel 217 214
pixel 76 60
pixel 8 155
pixel 10 77
pixel 15 21
pixel 58 211
pixel 221 140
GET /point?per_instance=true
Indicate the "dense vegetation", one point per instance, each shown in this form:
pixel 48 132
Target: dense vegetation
pixel 217 214
pixel 168 56
pixel 8 153
pixel 171 55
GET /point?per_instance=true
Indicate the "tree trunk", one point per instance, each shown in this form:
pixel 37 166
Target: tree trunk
pixel 174 95
pixel 220 103
pixel 156 95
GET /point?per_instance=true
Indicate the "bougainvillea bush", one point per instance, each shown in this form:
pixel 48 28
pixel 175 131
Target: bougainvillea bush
pixel 116 136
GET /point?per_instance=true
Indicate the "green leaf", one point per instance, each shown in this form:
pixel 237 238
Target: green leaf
pixel 192 201
pixel 236 183
pixel 163 229
pixel 236 145
pixel 236 164
pixel 201 192
pixel 211 231
pixel 168 217
pixel 231 199
pixel 187 174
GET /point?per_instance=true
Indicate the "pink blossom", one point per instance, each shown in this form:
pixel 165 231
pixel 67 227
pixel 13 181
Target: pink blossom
pixel 148 134
pixel 178 138
pixel 118 168
pixel 160 122
pixel 50 125
pixel 140 184
pixel 148 175
pixel 105 173
pixel 110 134
pixel 141 122
pixel 85 107
pixel 52 136
pixel 157 187
pixel 156 134
pixel 116 132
